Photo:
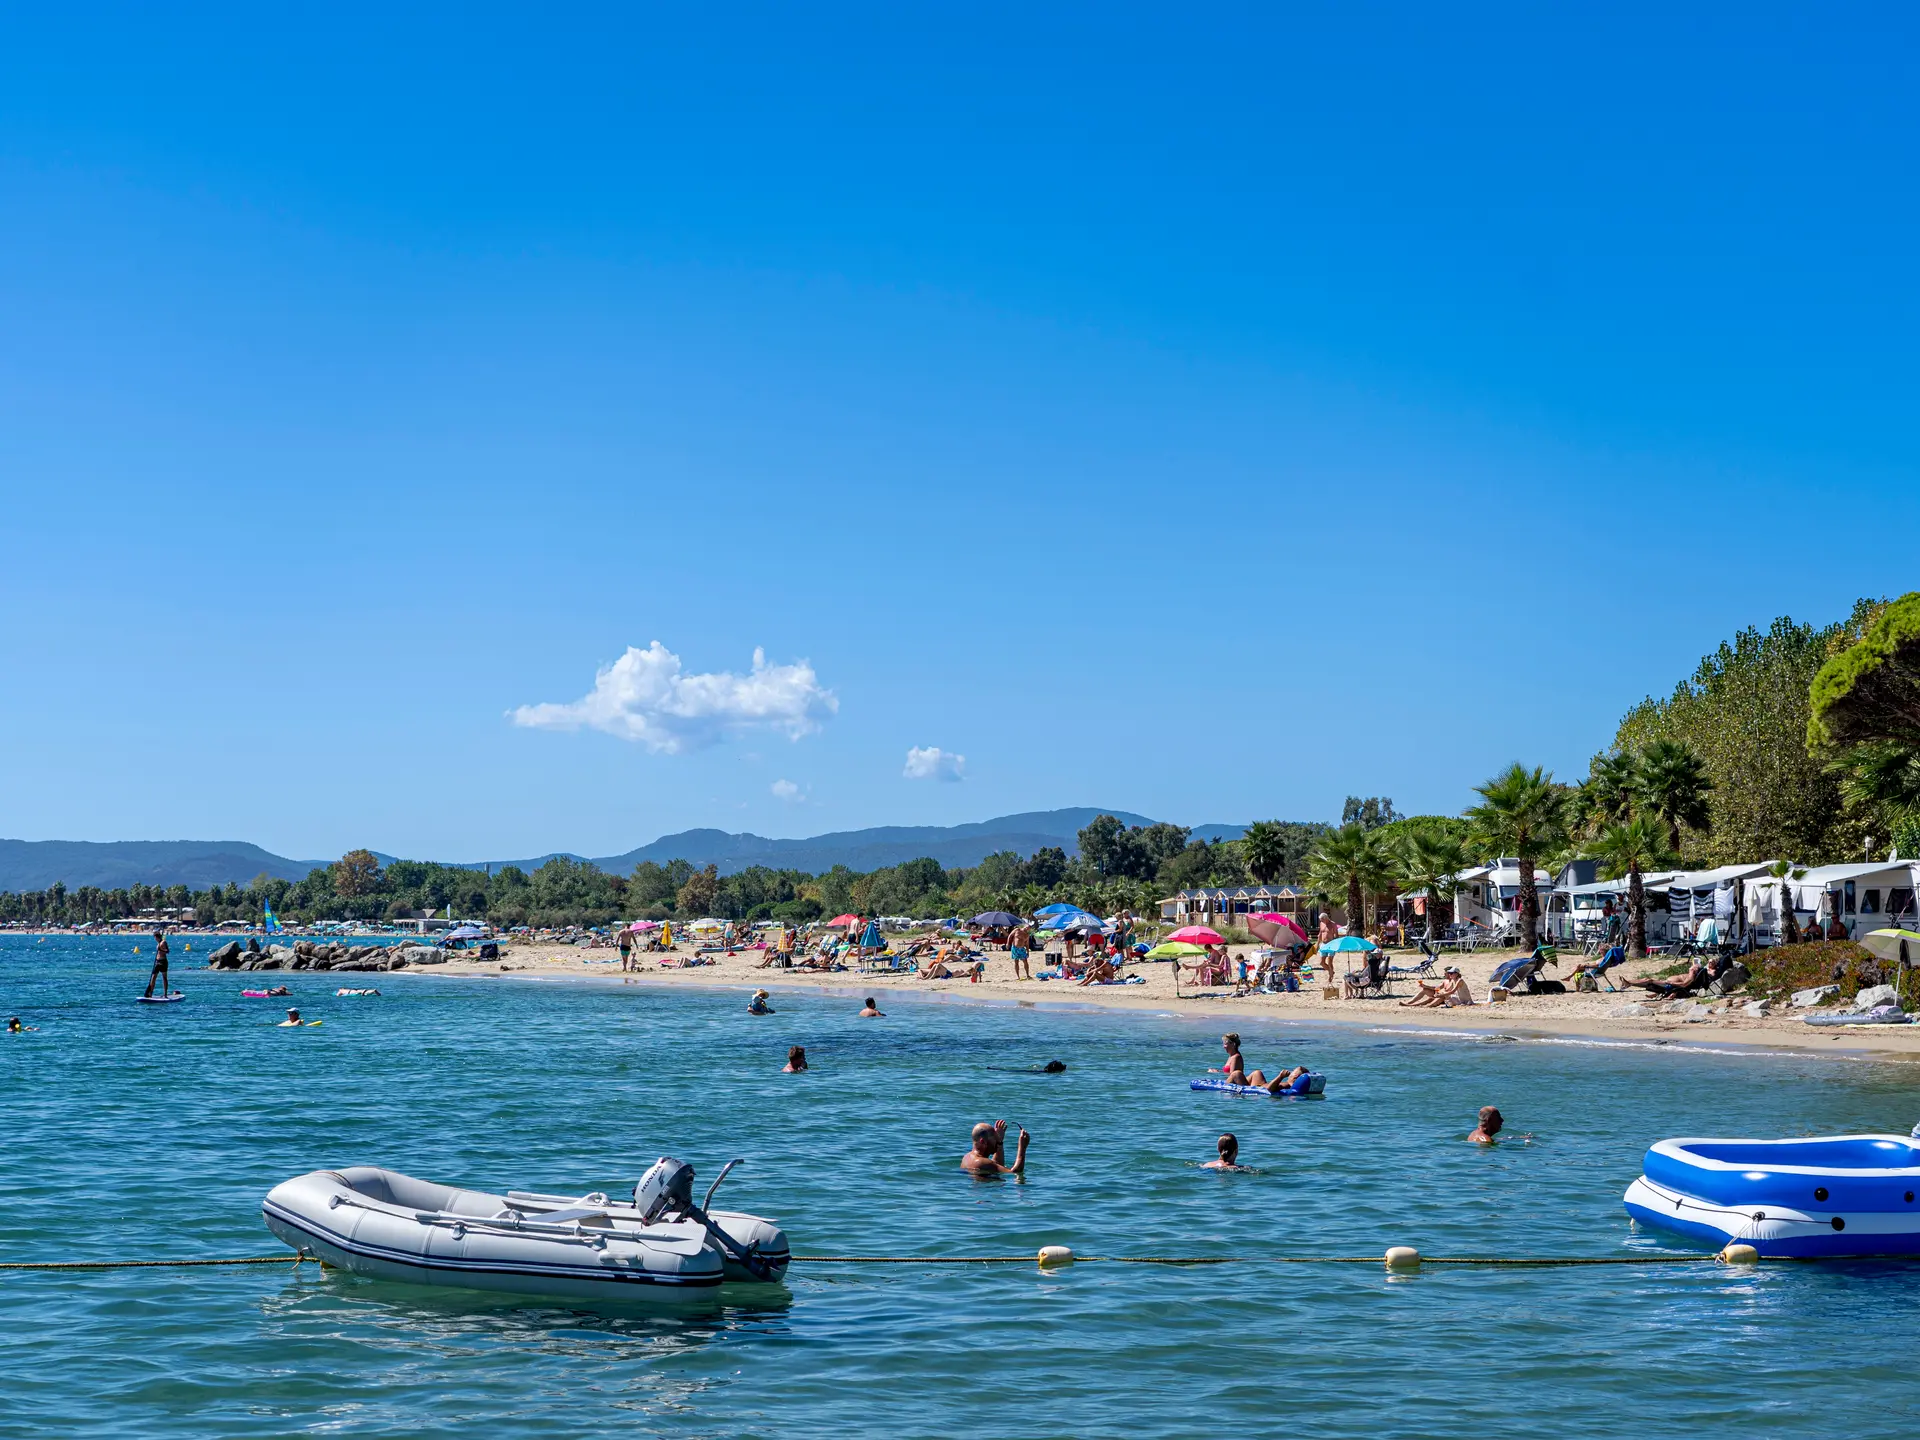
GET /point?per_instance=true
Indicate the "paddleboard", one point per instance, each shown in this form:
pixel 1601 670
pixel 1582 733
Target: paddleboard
pixel 172 999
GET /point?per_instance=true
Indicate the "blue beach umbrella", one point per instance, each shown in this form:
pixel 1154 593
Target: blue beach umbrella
pixel 1348 945
pixel 871 939
pixel 1059 907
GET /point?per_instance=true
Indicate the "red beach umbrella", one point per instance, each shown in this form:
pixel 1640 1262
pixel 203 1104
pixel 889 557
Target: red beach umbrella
pixel 841 921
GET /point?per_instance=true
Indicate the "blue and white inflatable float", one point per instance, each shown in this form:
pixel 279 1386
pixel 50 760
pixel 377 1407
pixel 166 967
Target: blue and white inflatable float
pixel 1310 1084
pixel 1837 1195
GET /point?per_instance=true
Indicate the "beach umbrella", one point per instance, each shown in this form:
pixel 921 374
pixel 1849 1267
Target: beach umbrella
pixel 708 924
pixel 1348 945
pixel 1887 944
pixel 1081 925
pixel 1059 907
pixel 841 921
pixel 994 919
pixel 464 932
pixel 1174 950
pixel 642 926
pixel 1198 935
pixel 871 940
pixel 1277 929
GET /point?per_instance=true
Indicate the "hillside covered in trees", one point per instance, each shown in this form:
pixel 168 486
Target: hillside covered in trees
pixel 1117 865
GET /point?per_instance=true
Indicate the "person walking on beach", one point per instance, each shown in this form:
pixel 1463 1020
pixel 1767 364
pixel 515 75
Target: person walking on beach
pixel 987 1160
pixel 1017 946
pixel 160 951
pixel 626 948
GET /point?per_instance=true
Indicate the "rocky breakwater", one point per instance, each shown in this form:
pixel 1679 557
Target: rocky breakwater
pixel 315 955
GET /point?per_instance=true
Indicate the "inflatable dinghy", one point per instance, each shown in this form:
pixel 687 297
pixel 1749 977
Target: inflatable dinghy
pixel 390 1226
pixel 1841 1195
pixel 1312 1083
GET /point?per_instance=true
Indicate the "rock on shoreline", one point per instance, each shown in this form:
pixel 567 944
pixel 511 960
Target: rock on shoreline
pixel 317 955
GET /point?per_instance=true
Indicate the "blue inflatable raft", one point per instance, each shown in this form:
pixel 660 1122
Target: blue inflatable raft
pixel 1312 1083
pixel 1839 1195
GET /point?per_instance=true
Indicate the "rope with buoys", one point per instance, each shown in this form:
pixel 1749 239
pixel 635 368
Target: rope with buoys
pixel 1050 1257
pixel 1397 1258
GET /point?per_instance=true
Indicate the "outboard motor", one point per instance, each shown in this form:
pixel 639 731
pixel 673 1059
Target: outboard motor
pixel 665 1192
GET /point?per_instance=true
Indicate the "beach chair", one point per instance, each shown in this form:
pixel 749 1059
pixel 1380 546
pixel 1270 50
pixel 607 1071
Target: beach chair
pixel 1429 957
pixel 1615 955
pixel 1370 980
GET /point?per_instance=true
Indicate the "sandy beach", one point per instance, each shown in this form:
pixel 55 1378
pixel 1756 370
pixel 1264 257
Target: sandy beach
pixel 1568 1015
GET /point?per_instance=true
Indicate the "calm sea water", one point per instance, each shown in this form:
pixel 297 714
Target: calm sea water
pixel 145 1131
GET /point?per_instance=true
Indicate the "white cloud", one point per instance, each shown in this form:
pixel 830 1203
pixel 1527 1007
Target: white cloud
pixel 930 762
pixel 646 696
pixel 785 790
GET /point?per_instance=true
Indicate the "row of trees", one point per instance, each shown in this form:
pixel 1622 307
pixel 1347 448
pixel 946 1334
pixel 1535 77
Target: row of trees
pixel 1799 744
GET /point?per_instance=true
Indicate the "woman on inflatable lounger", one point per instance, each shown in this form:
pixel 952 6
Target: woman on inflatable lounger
pixel 1237 1074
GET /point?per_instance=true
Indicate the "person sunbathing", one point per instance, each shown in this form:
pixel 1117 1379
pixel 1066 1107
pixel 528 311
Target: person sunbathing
pixel 1452 990
pixel 1695 979
pixel 1236 1072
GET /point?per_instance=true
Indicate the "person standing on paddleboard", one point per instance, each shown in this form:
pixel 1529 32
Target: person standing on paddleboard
pixel 159 966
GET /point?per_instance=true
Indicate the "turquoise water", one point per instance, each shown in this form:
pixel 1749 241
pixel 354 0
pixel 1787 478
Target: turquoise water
pixel 141 1131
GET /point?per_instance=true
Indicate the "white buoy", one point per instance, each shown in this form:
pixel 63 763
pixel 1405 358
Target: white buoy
pixel 1402 1257
pixel 1052 1255
pixel 1740 1255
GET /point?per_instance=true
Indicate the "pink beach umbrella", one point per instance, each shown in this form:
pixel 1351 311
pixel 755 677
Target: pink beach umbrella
pixel 1277 929
pixel 1197 935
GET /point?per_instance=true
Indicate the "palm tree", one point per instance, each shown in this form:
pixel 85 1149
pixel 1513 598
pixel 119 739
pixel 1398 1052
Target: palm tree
pixel 1348 861
pixel 1671 785
pixel 1522 813
pixel 1263 850
pixel 1431 862
pixel 1631 848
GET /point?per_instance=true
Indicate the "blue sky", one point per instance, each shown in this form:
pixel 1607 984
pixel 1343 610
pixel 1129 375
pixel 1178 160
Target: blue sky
pixel 1208 411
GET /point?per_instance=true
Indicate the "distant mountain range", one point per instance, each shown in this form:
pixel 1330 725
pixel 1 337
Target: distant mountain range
pixel 36 864
pixel 118 864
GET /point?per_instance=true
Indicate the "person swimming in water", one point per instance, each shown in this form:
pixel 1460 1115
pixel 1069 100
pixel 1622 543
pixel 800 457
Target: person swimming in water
pixel 1229 1147
pixel 293 1019
pixel 1491 1122
pixel 796 1060
pixel 758 1005
pixel 873 1011
pixel 14 1027
pixel 987 1160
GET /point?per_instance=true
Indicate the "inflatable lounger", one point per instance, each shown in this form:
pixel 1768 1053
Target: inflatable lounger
pixel 1823 1196
pixel 1879 1015
pixel 1310 1084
